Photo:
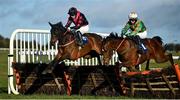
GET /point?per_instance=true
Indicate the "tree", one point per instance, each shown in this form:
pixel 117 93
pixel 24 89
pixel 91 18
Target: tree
pixel 177 47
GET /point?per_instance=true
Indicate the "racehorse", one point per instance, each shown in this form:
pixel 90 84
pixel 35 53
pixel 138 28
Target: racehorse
pixel 128 52
pixel 69 49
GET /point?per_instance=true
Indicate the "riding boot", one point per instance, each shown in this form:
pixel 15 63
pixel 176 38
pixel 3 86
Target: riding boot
pixel 79 39
pixel 141 47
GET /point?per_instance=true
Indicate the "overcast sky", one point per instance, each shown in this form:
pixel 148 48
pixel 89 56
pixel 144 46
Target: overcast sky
pixel 161 17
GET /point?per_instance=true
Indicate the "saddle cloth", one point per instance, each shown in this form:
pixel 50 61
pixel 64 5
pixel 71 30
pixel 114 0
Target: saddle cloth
pixel 84 39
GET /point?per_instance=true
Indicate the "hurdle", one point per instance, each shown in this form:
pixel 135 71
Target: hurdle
pixel 33 46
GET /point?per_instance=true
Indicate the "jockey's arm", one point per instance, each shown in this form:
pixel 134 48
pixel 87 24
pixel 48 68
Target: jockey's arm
pixel 68 23
pixel 137 29
pixel 125 29
pixel 77 26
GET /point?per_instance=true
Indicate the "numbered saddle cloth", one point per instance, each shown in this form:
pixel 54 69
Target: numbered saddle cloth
pixel 84 39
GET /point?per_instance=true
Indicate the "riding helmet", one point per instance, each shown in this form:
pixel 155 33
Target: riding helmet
pixel 133 15
pixel 72 11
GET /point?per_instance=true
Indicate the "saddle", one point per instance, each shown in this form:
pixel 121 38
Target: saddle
pixel 139 44
pixel 84 39
pixel 80 39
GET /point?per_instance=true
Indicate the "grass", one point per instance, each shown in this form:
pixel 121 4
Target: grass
pixel 153 64
pixel 3 70
pixel 42 96
pixel 4 82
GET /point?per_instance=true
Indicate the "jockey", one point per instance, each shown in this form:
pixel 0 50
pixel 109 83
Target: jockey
pixel 80 22
pixel 137 31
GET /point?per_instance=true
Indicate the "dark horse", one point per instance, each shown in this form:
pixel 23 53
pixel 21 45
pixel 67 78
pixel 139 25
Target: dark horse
pixel 127 51
pixel 69 49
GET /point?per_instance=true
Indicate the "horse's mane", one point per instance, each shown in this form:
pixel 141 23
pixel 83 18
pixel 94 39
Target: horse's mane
pixel 113 35
pixel 60 25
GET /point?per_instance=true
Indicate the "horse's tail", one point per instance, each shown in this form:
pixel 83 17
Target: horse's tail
pixel 159 39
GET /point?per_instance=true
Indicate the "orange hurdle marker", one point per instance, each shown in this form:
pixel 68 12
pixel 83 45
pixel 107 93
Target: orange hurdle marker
pixel 177 70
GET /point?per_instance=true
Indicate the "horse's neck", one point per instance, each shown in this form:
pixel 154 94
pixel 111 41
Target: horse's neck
pixel 121 45
pixel 68 37
pixel 116 43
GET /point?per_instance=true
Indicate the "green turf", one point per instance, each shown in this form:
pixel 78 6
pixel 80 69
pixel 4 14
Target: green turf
pixel 3 71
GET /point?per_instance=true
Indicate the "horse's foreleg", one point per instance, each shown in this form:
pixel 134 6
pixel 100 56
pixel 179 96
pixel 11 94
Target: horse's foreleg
pixel 52 64
pixel 137 67
pixel 99 60
pixel 147 64
pixel 170 58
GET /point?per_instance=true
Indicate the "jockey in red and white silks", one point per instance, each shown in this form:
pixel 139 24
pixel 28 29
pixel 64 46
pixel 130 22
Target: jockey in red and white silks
pixel 79 20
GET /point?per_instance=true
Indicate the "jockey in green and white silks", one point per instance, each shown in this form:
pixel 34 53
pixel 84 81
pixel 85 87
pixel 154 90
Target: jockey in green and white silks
pixel 137 30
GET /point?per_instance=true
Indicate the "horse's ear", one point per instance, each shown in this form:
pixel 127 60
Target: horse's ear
pixel 50 24
pixel 116 34
pixel 61 23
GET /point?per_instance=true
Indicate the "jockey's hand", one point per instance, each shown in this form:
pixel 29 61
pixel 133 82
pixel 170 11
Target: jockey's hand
pixel 124 35
pixel 72 30
pixel 68 28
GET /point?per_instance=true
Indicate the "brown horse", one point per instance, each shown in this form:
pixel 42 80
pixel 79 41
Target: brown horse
pixel 127 51
pixel 69 49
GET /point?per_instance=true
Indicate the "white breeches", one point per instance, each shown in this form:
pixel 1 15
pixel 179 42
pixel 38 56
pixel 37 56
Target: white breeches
pixel 142 35
pixel 83 29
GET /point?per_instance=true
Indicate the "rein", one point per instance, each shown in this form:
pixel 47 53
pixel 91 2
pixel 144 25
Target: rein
pixel 67 43
pixel 120 44
pixel 65 32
